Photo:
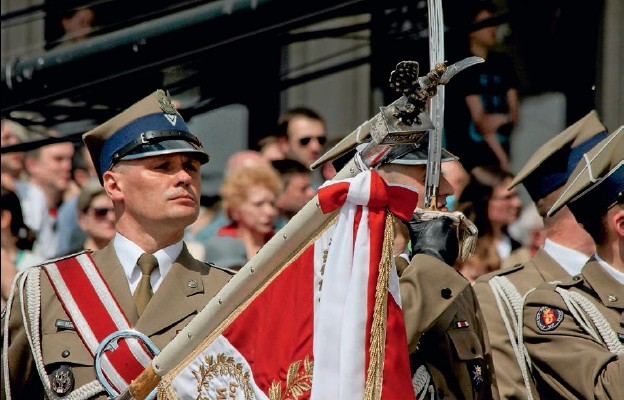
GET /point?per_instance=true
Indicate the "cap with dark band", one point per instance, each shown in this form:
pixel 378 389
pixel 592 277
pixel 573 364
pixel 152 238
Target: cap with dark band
pixel 415 153
pixel 551 165
pixel 148 128
pixel 597 183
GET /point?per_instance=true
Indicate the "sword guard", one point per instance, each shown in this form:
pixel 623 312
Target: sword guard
pixel 110 343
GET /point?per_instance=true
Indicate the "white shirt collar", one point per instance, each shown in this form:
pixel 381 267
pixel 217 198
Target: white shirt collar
pixel 128 253
pixel 571 261
pixel 617 275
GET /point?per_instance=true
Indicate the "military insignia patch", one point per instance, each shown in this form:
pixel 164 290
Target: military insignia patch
pixel 62 380
pixel 548 319
pixel 165 102
pixel 476 374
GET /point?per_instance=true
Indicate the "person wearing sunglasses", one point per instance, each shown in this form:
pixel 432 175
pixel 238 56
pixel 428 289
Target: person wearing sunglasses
pixel 96 216
pixel 301 135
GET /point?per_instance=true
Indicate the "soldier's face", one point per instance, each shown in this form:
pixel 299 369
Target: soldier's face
pixel 414 176
pixel 159 192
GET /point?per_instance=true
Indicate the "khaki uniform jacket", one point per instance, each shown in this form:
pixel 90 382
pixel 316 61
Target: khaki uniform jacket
pixel 445 330
pixel 541 268
pixel 569 363
pixel 171 308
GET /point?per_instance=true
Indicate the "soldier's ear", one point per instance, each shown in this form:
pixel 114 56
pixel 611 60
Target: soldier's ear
pixel 617 219
pixel 112 185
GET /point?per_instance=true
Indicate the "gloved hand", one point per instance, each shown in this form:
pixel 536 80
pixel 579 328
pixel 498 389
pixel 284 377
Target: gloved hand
pixel 436 237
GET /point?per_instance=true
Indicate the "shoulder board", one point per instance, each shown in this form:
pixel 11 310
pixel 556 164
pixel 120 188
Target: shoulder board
pixel 570 281
pixel 500 272
pixel 53 260
pixel 224 269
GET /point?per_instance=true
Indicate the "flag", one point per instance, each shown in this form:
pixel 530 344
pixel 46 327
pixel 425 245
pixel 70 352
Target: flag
pixel 328 325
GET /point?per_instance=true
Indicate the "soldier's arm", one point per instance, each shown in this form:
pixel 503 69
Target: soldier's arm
pixel 567 359
pixel 428 287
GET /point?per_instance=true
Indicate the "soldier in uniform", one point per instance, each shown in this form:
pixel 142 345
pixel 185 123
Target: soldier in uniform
pixel 449 350
pixel 149 164
pixel 573 329
pixel 566 249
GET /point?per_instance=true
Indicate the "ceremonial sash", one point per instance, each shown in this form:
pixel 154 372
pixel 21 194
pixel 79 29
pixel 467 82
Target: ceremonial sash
pixel 95 313
pixel 319 329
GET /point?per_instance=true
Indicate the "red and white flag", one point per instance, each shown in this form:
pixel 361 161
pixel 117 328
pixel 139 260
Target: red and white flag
pixel 328 325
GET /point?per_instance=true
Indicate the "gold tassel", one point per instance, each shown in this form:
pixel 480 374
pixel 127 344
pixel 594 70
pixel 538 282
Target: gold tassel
pixel 372 390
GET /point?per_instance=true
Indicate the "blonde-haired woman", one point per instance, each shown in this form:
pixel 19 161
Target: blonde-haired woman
pixel 248 199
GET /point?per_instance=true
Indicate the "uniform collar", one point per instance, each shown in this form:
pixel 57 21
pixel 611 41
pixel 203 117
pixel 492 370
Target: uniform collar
pixel 129 252
pixel 617 275
pixel 608 289
pixel 569 259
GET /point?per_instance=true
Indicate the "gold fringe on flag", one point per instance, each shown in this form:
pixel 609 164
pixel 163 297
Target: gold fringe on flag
pixel 372 390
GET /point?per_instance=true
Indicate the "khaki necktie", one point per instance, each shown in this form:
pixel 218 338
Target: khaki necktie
pixel 143 293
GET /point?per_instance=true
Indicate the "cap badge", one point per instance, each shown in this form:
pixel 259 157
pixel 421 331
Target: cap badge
pixel 548 319
pixel 165 102
pixel 172 118
pixel 62 380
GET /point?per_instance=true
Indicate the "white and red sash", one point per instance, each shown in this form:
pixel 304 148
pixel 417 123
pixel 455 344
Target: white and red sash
pixel 95 313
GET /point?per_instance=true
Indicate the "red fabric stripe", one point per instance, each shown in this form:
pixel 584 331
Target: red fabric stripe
pixel 277 327
pixel 397 379
pixel 97 317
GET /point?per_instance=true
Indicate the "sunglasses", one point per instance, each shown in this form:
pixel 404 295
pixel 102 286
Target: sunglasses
pixel 101 212
pixel 304 141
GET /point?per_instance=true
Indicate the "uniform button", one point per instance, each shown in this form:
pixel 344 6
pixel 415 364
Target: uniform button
pixel 65 353
pixel 446 293
pixel 612 298
pixel 577 278
pixel 192 283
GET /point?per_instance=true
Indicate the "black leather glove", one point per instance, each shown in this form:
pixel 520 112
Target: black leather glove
pixel 436 237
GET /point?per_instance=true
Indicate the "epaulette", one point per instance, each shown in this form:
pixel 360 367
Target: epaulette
pixel 224 269
pixel 569 281
pixel 53 260
pixel 500 272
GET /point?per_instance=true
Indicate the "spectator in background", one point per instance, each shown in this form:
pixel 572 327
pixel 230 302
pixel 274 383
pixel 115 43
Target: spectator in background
pixel 96 217
pixel 12 163
pixel 492 207
pixel 490 93
pixel 248 198
pixel 270 148
pixel 297 190
pixel 301 135
pixel 33 201
pixel 529 229
pixel 49 168
pixel 215 215
pixel 16 240
pixel 78 24
pixel 71 235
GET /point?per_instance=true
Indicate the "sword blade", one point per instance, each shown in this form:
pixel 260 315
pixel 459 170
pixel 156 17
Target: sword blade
pixel 436 108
